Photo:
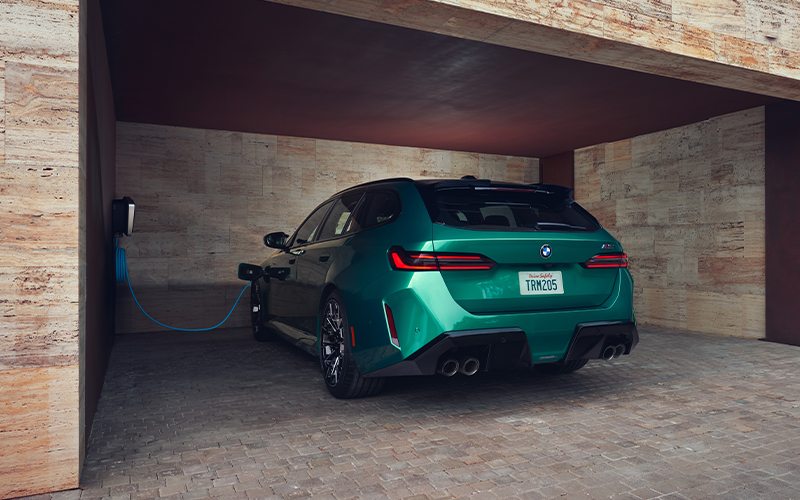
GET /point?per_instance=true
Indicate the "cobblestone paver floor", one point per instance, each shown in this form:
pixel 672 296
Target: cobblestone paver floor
pixel 188 416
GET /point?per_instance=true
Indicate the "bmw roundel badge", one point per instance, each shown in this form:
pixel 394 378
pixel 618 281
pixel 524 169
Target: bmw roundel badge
pixel 546 251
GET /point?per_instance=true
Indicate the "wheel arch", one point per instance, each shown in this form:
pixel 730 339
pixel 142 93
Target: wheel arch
pixel 326 290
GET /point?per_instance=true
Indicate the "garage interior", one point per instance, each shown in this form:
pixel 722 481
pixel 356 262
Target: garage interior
pixel 228 120
pixel 300 104
pixel 237 119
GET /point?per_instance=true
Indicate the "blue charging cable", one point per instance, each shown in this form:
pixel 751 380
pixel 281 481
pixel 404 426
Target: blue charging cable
pixel 122 277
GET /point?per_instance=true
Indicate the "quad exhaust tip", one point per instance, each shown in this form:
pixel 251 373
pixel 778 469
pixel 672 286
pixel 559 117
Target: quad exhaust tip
pixel 468 365
pixel 448 368
pixel 613 352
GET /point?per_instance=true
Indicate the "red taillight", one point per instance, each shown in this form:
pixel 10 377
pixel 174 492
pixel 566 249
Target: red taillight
pixel 392 329
pixel 412 261
pixel 607 260
pixel 437 261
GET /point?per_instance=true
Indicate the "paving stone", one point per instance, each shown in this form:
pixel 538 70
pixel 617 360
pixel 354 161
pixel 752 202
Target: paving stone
pixel 67 495
pixel 195 495
pixel 187 416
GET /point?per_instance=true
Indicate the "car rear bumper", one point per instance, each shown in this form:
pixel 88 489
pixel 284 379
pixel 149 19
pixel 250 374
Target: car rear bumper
pixel 430 323
pixel 507 346
pixel 591 339
pixel 503 348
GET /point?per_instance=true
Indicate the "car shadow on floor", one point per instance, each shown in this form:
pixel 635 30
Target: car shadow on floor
pixel 278 380
pixel 271 377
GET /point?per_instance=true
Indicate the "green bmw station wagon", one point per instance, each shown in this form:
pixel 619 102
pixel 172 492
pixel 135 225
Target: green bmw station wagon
pixel 416 277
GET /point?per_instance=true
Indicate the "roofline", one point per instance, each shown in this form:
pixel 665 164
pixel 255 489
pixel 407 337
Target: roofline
pixel 463 181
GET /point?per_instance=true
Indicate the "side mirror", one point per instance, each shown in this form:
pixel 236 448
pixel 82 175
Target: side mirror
pixel 250 272
pixel 276 240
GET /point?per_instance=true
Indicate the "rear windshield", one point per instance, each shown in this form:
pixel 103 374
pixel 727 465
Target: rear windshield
pixel 493 209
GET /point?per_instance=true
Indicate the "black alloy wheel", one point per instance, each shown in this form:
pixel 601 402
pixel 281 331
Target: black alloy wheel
pixel 342 377
pixel 257 315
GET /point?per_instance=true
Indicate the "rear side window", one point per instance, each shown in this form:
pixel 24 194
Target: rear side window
pixel 338 219
pixel 306 232
pixel 379 207
pixel 493 209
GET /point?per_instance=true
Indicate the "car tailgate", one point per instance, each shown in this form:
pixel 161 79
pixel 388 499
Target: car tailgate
pixel 523 279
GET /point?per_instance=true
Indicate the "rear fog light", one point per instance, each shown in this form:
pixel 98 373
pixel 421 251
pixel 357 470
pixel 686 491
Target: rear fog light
pixel 392 329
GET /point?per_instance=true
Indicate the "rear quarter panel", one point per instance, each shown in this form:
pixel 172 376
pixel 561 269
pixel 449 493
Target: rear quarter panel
pixel 363 261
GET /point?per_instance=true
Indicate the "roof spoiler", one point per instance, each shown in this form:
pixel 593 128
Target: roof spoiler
pixel 470 181
pixel 463 182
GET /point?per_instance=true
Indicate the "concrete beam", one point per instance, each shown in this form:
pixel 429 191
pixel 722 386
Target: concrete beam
pixel 718 42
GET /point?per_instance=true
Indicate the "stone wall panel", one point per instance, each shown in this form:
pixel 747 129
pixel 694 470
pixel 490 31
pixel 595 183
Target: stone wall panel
pixel 205 199
pixel 719 16
pixel 40 327
pixel 39 96
pixel 588 163
pixel 605 211
pixel 665 306
pixel 695 234
pixel 681 270
pixel 713 312
pixel 32 31
pixel 661 9
pixel 774 22
pixel 2 111
pixel 734 51
pixel 754 311
pixel 39 445
pixel 754 243
pixel 43 147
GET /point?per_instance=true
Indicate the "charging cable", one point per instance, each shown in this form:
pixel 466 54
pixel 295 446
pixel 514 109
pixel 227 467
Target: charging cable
pixel 122 277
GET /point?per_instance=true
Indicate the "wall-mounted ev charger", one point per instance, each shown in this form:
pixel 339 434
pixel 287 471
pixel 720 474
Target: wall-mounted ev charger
pixel 122 215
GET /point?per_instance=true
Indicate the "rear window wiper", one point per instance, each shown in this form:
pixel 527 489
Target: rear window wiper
pixel 509 203
pixel 561 224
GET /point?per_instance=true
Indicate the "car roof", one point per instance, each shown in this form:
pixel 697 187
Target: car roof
pixel 466 181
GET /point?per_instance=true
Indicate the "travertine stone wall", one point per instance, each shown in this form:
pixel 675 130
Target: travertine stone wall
pixel 751 45
pixel 39 238
pixel 688 206
pixel 206 198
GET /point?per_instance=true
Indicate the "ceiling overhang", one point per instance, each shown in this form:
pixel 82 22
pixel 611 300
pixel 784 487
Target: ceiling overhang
pixel 261 67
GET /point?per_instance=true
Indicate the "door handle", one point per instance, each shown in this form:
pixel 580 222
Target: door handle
pixel 299 251
pixel 324 258
pixel 292 261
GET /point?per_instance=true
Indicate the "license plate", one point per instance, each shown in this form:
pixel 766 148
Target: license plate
pixel 540 283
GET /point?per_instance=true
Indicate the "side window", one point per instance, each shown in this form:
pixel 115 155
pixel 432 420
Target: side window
pixel 307 231
pixel 336 223
pixel 380 207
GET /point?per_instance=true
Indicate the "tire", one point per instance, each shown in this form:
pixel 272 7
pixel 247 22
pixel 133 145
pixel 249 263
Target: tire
pixel 339 370
pixel 561 369
pixel 257 314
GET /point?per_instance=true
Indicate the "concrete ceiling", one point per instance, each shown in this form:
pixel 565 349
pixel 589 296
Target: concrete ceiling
pixel 256 66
